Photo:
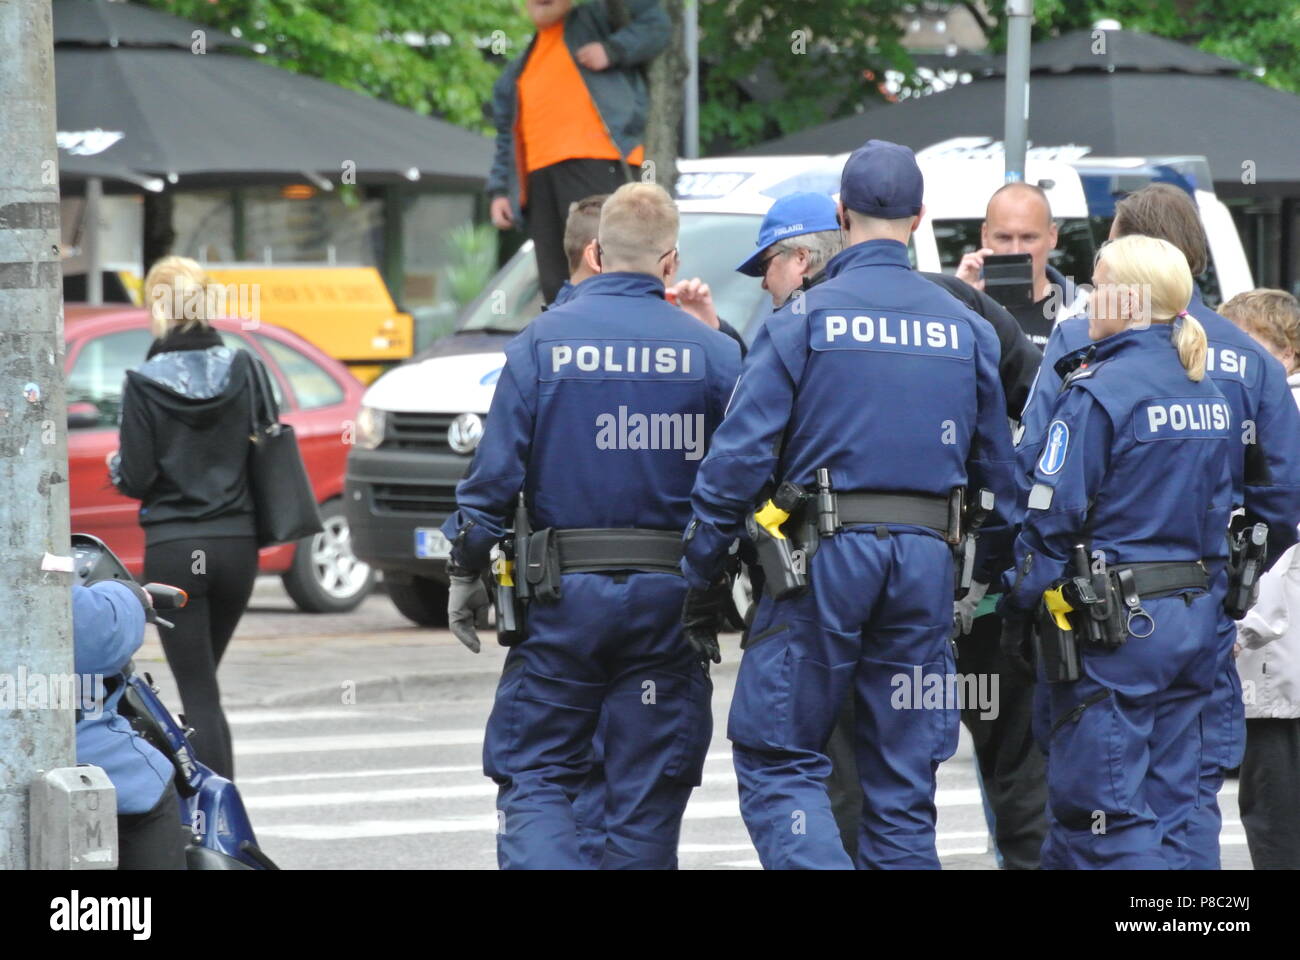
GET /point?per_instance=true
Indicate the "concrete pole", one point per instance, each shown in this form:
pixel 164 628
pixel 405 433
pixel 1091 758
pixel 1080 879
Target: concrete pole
pixel 691 107
pixel 35 620
pixel 1020 16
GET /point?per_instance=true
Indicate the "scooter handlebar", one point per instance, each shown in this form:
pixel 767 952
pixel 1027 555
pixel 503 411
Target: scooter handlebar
pixel 165 597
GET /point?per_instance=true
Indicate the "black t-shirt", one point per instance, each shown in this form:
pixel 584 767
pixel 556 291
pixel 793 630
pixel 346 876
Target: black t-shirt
pixel 1037 319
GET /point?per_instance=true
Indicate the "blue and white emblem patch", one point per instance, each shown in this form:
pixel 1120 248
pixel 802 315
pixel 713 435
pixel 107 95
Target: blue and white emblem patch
pixel 1054 447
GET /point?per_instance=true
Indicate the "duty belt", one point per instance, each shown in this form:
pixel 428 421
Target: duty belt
pixel 912 509
pixel 1154 579
pixel 598 549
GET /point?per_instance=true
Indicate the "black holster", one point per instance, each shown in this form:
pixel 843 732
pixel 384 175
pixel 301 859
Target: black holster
pixel 784 562
pixel 1056 649
pixel 1248 549
pixel 511 599
pixel 505 596
pixel 969 518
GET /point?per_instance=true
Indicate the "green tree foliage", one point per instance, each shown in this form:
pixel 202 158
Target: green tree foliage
pixel 825 57
pixel 365 45
pixel 1258 33
pixel 821 53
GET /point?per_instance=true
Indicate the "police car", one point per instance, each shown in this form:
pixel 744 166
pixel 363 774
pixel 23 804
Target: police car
pixel 420 422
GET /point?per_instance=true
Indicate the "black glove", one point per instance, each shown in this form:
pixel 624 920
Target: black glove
pixel 702 617
pixel 1017 634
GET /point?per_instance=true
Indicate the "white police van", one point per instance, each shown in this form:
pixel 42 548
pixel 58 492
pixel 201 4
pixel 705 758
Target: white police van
pixel 421 421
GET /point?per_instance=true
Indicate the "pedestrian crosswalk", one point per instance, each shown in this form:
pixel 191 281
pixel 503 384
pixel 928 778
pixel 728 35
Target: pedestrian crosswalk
pixel 401 786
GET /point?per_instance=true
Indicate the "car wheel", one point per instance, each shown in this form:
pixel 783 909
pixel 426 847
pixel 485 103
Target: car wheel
pixel 420 599
pixel 326 576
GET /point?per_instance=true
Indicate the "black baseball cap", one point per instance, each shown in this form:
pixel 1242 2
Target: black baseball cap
pixel 881 179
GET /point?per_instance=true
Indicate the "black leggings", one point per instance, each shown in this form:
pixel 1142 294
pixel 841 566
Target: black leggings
pixel 154 840
pixel 218 575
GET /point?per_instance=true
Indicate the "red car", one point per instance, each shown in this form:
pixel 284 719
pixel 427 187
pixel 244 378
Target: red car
pixel 317 395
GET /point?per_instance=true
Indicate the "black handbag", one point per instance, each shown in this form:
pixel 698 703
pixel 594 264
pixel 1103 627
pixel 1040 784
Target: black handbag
pixel 283 501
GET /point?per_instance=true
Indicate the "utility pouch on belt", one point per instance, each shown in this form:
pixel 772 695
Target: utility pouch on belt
pixel 784 571
pixel 1247 551
pixel 543 570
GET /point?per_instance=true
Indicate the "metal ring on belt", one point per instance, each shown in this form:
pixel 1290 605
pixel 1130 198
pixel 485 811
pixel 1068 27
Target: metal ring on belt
pixel 600 549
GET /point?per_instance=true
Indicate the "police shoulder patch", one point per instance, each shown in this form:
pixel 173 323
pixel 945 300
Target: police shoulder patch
pixel 1055 445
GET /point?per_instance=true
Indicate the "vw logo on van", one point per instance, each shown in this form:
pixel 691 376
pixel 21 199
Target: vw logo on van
pixel 465 432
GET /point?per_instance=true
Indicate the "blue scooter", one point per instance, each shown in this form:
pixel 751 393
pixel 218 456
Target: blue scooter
pixel 222 836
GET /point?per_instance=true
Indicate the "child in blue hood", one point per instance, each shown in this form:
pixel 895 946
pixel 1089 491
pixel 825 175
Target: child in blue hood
pixel 108 620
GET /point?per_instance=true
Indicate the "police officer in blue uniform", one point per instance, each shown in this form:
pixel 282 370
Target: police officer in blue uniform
pixel 1130 493
pixel 1265 466
pixel 601 417
pixel 841 383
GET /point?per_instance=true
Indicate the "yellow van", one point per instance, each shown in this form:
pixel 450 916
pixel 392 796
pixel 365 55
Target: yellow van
pixel 346 311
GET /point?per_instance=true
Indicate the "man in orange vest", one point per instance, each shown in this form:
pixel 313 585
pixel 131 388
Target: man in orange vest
pixel 570 117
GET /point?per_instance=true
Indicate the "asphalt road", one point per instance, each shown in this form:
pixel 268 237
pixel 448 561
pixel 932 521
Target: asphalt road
pixel 358 742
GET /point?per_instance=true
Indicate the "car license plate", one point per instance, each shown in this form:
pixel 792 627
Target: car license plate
pixel 431 544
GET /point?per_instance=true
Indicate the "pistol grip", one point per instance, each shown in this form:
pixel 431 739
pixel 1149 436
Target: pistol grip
pixel 770 517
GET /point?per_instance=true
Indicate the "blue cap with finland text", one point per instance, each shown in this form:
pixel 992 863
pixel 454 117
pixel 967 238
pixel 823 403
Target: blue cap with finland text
pixel 881 179
pixel 790 216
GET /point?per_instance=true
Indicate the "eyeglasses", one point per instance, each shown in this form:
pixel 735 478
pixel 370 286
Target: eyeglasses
pixel 767 261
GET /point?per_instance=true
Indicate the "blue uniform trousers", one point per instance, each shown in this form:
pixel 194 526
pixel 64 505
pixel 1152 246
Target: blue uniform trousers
pixel 611 642
pixel 1124 744
pixel 874 623
pixel 1223 730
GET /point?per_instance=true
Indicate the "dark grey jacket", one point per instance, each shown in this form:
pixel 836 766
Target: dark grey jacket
pixel 632 32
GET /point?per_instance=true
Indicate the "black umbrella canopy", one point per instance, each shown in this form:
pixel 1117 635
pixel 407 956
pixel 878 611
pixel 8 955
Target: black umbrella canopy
pixel 1111 50
pixel 160 110
pixel 1243 128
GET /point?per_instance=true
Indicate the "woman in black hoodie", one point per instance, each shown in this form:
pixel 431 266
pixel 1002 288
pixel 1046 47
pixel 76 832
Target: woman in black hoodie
pixel 184 454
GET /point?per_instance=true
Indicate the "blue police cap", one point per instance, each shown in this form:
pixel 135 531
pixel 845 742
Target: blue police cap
pixel 881 179
pixel 792 215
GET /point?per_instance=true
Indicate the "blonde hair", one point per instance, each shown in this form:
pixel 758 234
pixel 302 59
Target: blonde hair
pixel 1159 270
pixel 638 225
pixel 1272 315
pixel 176 293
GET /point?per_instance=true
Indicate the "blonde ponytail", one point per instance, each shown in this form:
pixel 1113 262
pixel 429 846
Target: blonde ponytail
pixel 1191 343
